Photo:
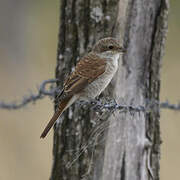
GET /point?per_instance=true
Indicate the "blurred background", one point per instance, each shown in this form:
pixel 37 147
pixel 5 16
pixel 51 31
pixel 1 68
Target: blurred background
pixel 28 42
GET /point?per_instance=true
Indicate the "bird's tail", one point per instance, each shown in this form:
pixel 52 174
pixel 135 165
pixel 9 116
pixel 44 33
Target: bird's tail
pixel 61 108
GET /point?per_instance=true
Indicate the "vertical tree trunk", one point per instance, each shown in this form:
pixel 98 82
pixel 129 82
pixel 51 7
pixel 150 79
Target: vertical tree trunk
pixel 131 150
pixel 133 144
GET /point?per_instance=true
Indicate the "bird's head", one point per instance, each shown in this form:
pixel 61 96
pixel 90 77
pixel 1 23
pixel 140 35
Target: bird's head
pixel 108 48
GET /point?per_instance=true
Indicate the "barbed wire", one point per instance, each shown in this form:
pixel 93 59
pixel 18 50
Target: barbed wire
pixel 32 98
pixel 95 104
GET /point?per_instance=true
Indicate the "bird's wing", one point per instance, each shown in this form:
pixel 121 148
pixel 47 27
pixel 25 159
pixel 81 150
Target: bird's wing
pixel 87 70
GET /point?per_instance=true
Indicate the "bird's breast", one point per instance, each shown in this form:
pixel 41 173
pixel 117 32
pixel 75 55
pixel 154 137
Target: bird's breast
pixel 98 85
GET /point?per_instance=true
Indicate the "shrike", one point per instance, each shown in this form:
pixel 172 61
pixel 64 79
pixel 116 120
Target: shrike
pixel 91 76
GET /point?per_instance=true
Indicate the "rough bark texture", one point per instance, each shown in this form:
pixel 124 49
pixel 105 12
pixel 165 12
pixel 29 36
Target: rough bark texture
pixel 131 150
pixel 133 144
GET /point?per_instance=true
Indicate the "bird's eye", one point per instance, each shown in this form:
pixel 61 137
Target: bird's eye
pixel 111 47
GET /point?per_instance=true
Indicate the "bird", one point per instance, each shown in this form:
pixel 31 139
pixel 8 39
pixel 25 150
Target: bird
pixel 91 76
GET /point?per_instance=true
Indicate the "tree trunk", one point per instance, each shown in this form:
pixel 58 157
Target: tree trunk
pixel 130 148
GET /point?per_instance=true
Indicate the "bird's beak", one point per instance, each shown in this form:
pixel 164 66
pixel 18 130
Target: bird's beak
pixel 121 50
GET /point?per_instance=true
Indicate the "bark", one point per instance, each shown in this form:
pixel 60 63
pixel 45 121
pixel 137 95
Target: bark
pixel 131 148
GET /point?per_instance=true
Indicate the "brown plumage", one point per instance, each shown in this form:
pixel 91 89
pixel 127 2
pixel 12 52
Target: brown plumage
pixel 59 111
pixel 88 70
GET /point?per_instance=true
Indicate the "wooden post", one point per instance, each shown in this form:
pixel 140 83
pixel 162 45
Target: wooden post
pixel 132 146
